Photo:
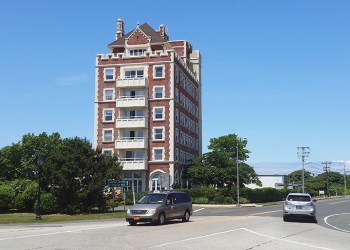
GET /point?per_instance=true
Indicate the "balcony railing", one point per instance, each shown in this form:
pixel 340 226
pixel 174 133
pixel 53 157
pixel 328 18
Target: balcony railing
pixel 131 122
pixel 133 163
pixel 132 82
pixel 129 142
pixel 128 101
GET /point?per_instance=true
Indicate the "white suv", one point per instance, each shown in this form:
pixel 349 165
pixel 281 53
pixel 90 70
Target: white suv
pixel 299 205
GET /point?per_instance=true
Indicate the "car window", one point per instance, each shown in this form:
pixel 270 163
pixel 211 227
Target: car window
pixel 298 198
pixel 152 199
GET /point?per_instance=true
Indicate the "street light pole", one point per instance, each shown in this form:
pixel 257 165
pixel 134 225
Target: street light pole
pixel 40 162
pixel 237 184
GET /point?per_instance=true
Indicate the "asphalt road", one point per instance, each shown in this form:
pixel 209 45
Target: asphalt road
pixel 210 228
pixel 331 213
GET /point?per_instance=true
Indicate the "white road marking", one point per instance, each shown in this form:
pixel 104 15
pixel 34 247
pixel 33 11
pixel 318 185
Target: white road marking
pixel 238 229
pixel 326 218
pixel 194 211
pixel 62 232
pixel 195 238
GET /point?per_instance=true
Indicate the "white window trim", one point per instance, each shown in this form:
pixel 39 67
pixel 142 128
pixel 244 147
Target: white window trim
pixel 154 114
pixel 107 149
pixel 153 153
pixel 104 95
pixel 154 134
pixel 133 49
pixel 104 110
pixel 104 75
pixel 103 134
pixel 154 92
pixel 154 72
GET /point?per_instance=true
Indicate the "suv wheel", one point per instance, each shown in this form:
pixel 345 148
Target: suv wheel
pixel 161 219
pixel 132 223
pixel 285 218
pixel 186 217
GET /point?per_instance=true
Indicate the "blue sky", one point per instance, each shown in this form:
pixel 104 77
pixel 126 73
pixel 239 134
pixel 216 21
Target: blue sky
pixel 275 72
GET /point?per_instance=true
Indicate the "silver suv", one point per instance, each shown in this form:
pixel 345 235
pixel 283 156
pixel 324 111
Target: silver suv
pixel 299 205
pixel 160 207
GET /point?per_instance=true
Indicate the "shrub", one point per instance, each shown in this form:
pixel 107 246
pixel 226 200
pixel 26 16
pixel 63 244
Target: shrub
pixel 243 200
pixel 48 204
pixel 24 201
pixel 228 200
pixel 6 197
pixel 200 200
pixel 219 199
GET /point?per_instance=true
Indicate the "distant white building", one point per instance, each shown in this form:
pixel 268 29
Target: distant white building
pixel 273 181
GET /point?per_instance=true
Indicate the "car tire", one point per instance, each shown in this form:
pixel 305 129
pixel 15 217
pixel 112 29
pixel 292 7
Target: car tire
pixel 186 217
pixel 285 218
pixel 161 219
pixel 132 223
pixel 314 219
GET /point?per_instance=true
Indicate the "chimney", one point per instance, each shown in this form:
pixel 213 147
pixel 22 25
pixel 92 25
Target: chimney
pixel 163 32
pixel 120 29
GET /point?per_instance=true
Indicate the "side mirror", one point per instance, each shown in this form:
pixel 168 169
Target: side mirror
pixel 314 200
pixel 168 202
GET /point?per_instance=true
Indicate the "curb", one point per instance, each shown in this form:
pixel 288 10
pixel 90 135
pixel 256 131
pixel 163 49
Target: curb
pixel 226 205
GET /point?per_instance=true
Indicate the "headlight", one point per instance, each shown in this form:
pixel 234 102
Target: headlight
pixel 288 205
pixel 128 211
pixel 151 211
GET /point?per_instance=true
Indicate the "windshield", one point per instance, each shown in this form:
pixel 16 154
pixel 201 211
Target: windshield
pixel 299 198
pixel 152 199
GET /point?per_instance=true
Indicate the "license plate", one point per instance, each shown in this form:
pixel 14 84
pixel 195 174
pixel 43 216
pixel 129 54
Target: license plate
pixel 299 207
pixel 136 218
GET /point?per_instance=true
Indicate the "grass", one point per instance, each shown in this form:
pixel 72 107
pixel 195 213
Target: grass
pixel 19 218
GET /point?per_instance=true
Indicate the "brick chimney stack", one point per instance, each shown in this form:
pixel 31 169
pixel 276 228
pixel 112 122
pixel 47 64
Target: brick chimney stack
pixel 163 32
pixel 120 29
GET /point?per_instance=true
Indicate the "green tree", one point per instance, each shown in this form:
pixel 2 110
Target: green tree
pixel 73 172
pixel 77 175
pixel 295 177
pixel 219 166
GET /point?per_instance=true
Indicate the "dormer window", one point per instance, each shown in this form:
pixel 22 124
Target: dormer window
pixel 137 52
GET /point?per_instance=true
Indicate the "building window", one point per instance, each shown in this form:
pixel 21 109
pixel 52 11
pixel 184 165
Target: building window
pixel 158 133
pixel 158 71
pixel 158 92
pixel 108 95
pixel 177 75
pixel 107 152
pixel 108 115
pixel 158 154
pixel 134 73
pixel 134 114
pixel 158 114
pixel 107 135
pixel 108 74
pixel 137 52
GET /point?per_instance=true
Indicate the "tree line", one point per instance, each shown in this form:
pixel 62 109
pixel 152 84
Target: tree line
pixel 73 174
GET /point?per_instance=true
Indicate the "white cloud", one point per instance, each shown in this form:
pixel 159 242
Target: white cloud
pixel 271 168
pixel 72 80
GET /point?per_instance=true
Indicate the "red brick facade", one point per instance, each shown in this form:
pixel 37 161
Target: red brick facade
pixel 154 134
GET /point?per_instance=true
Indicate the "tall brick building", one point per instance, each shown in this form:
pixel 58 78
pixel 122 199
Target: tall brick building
pixel 148 106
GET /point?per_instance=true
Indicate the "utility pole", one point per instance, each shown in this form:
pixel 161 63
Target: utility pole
pixel 327 168
pixel 303 152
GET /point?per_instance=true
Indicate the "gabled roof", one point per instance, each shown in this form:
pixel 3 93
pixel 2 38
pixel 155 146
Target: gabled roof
pixel 146 29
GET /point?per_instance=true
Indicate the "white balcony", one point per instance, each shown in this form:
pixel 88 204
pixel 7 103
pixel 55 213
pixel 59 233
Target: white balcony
pixel 132 82
pixel 134 143
pixel 132 122
pixel 127 101
pixel 133 164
